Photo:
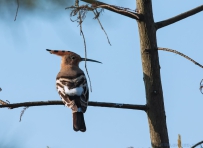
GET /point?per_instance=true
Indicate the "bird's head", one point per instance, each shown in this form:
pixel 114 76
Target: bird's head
pixel 69 57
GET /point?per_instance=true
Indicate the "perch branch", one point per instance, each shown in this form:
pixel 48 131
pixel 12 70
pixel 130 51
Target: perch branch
pixel 181 54
pixel 98 104
pixel 116 9
pixel 178 17
pixel 197 144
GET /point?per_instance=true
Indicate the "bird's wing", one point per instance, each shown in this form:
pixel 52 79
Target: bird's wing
pixel 74 92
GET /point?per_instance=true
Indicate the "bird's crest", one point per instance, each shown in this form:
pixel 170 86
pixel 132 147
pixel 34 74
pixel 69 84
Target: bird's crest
pixel 72 54
pixel 59 52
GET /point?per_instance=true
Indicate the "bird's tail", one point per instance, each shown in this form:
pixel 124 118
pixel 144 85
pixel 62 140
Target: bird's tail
pixel 78 122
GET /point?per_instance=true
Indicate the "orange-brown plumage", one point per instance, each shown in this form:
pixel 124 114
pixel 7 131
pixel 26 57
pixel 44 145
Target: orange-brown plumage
pixel 72 86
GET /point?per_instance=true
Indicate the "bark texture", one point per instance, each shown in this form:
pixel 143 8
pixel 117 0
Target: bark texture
pixel 151 71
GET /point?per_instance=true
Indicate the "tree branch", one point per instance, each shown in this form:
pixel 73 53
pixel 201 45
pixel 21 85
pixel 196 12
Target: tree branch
pixel 116 9
pixel 178 17
pixel 98 104
pixel 197 144
pixel 181 54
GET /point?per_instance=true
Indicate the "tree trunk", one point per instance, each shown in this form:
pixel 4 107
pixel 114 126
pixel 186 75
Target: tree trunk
pixel 151 70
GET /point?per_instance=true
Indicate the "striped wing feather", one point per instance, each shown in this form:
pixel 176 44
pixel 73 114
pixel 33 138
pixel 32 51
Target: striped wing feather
pixel 74 102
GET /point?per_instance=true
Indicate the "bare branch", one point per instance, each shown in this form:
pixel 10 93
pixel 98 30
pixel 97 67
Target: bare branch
pixel 120 10
pixel 181 54
pixel 178 17
pixel 98 104
pixel 197 144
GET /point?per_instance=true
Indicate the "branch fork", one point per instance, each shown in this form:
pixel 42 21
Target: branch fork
pixel 120 10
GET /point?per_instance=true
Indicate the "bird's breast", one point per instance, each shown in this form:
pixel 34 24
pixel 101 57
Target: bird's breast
pixel 77 91
pixel 69 74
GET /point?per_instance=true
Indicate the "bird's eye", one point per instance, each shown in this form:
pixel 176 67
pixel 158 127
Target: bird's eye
pixel 72 57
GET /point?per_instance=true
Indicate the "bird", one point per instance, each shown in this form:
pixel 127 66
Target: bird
pixel 72 86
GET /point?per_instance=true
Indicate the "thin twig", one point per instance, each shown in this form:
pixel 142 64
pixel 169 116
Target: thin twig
pixel 201 86
pixel 81 32
pixel 181 54
pixel 22 112
pixel 197 144
pixel 85 59
pixel 95 104
pixel 178 17
pixel 96 17
pixel 82 11
pixel 18 5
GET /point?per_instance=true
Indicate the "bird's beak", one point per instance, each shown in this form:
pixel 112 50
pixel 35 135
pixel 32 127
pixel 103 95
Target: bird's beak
pixel 85 59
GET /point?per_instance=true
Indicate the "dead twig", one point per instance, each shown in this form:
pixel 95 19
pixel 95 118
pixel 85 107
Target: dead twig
pixel 80 18
pixel 181 54
pixel 18 5
pixel 85 56
pixel 22 112
pixel 79 9
pixel 201 86
pixel 80 12
pixel 96 13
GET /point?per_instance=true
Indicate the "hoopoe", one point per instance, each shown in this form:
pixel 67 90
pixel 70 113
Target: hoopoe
pixel 72 86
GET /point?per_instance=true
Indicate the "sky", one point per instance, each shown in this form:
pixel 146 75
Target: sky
pixel 28 74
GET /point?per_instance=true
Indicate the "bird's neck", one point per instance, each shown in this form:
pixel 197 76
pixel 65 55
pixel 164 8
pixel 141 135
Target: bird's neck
pixel 65 67
pixel 70 70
